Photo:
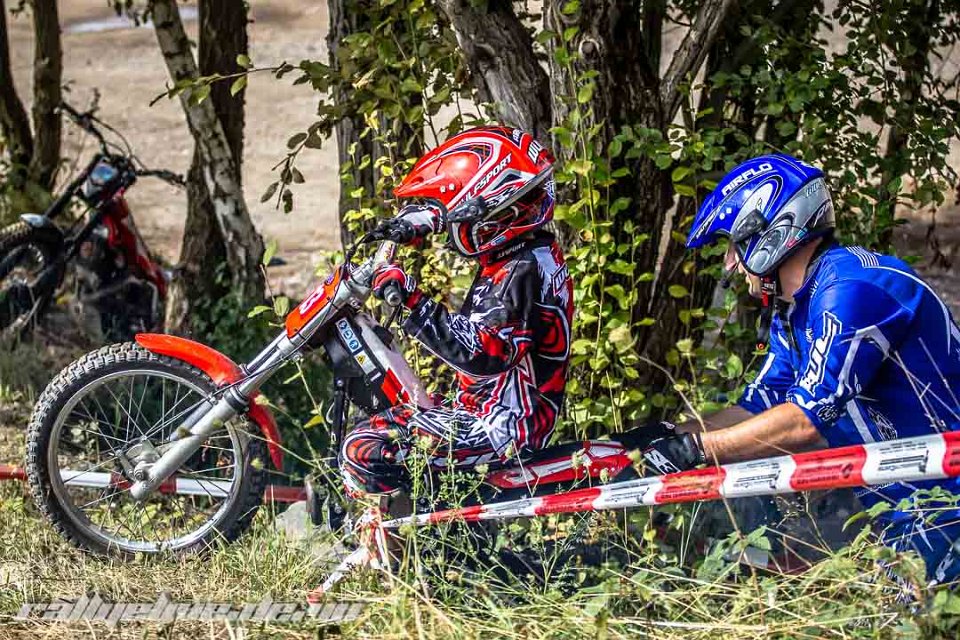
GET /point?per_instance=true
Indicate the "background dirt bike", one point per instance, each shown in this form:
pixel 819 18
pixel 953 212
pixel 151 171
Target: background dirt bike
pixel 116 277
pixel 159 444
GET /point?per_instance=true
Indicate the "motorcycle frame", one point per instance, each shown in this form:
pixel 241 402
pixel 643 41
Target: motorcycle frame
pixel 113 207
pixel 242 383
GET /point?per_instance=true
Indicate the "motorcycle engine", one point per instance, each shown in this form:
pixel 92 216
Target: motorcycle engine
pixel 112 303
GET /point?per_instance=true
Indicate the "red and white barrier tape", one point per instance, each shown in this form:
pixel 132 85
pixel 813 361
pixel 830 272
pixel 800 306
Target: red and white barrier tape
pixel 175 485
pixel 906 460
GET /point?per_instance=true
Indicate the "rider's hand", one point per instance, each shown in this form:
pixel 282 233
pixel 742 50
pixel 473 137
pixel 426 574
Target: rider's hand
pixel 413 223
pixel 391 274
pixel 673 453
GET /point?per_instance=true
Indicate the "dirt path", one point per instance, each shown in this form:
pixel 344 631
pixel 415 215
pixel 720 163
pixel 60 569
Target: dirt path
pixel 105 52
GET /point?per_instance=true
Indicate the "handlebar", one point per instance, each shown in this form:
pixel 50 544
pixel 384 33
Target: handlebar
pixel 85 121
pixel 169 177
pixel 363 275
pixel 385 255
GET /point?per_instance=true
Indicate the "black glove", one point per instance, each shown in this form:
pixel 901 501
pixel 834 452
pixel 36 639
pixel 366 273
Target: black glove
pixel 674 453
pixel 412 223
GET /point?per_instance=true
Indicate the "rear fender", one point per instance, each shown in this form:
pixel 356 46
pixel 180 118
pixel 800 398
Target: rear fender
pixel 222 370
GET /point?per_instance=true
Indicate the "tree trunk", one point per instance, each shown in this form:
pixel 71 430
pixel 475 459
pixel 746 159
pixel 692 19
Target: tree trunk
pixel 347 17
pixel 13 117
pixel 221 174
pixel 615 43
pixel 223 36
pixel 913 57
pixel 47 74
pixel 499 53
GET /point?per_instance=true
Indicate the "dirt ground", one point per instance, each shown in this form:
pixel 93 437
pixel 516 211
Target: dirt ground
pixel 105 52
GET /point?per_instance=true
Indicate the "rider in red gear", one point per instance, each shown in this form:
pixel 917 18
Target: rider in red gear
pixel 493 189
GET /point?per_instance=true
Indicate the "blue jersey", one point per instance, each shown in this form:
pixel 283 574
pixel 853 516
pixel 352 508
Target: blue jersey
pixel 869 352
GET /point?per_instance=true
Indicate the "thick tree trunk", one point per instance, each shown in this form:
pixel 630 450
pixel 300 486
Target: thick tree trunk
pixel 499 53
pixel 47 74
pixel 221 174
pixel 223 36
pixel 13 117
pixel 348 17
pixel 345 20
pixel 614 44
pixel 913 58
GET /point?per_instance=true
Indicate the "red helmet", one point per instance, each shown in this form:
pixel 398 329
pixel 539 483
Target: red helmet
pixel 495 183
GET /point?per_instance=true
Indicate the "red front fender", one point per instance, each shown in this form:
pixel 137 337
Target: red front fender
pixel 222 370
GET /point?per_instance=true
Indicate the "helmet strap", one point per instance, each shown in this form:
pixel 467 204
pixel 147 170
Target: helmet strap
pixel 769 291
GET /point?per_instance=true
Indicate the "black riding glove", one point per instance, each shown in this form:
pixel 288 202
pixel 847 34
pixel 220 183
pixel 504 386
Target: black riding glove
pixel 674 453
pixel 412 223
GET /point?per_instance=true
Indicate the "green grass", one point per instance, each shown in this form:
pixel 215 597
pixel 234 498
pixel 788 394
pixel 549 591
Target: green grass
pixel 659 587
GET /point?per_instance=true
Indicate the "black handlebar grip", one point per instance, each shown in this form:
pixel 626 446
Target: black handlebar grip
pixel 392 295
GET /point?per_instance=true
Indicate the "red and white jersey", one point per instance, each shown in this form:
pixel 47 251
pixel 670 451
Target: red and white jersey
pixel 510 342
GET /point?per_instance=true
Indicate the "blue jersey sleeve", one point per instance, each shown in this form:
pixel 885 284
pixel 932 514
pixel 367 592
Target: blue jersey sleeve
pixel 776 376
pixel 856 325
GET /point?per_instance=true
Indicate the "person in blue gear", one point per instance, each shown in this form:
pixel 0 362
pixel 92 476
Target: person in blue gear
pixel 861 349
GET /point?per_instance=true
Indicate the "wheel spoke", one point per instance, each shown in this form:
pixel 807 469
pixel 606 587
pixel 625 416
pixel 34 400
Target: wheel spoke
pixel 111 417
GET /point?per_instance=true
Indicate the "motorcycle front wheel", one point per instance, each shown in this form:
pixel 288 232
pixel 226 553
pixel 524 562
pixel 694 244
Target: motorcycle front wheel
pixel 118 407
pixel 28 275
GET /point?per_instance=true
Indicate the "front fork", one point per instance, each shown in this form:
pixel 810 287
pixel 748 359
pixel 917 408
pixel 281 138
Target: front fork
pixel 209 417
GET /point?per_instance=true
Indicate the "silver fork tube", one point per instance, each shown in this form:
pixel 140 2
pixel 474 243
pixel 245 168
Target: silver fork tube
pixel 201 427
pixel 182 449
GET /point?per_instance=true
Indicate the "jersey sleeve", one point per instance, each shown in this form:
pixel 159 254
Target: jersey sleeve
pixel 859 324
pixel 490 345
pixel 776 376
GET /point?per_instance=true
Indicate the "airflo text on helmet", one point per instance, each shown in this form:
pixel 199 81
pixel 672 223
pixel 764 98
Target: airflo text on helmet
pixel 769 207
pixel 766 167
pixel 495 183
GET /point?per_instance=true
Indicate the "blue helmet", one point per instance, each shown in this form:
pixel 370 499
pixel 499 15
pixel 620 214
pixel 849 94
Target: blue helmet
pixel 769 207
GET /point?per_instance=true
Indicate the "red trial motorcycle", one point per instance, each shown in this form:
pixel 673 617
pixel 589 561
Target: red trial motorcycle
pixel 162 445
pixel 116 277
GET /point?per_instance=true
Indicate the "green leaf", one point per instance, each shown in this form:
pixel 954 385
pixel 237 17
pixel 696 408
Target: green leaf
pixel 621 338
pixel 281 304
pixel 581 167
pixel 296 139
pixel 615 147
pixel 200 94
pixel 621 267
pixel 269 252
pixel 314 422
pixel 617 292
pixel 585 93
pixel 314 141
pixel 272 189
pixel 243 61
pixel 679 173
pixel 257 310
pixel 581 346
pixel 677 291
pixel 685 346
pixel 734 366
pixel 238 85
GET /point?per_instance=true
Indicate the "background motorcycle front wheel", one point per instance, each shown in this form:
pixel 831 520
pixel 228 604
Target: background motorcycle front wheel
pixel 114 408
pixel 26 283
